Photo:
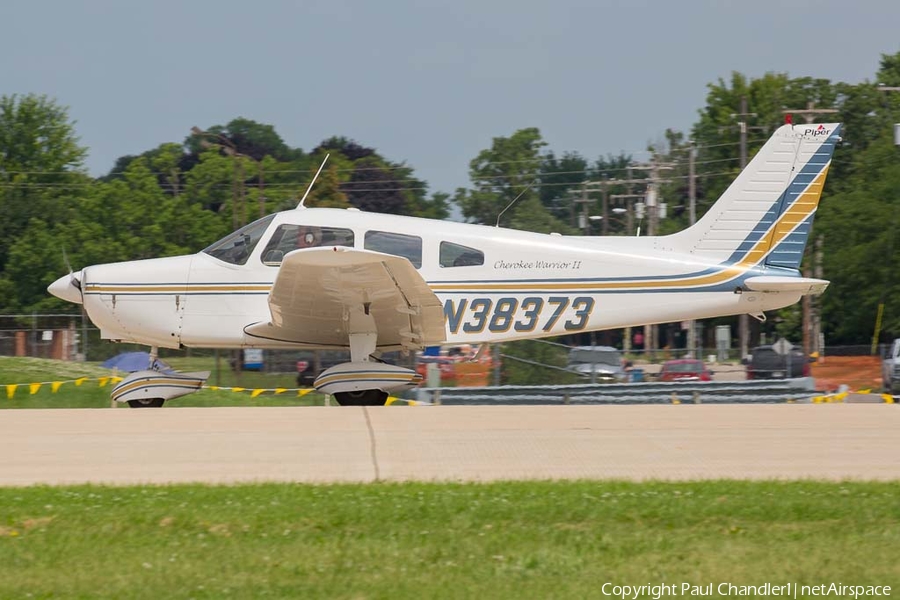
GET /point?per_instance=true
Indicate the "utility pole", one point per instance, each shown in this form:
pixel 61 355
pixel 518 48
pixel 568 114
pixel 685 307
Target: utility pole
pixel 744 319
pixel 809 305
pixel 818 341
pixel 692 183
pixel 603 186
pixel 583 221
pixel 604 227
pixel 228 147
pixel 262 197
pixel 810 112
pixel 629 216
pixel 242 194
pixel 692 218
pixel 652 207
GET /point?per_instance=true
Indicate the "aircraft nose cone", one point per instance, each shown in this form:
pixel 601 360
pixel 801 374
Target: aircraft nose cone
pixel 65 288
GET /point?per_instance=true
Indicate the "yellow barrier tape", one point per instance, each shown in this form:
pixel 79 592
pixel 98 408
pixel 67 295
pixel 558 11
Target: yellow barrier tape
pixel 393 399
pixel 36 386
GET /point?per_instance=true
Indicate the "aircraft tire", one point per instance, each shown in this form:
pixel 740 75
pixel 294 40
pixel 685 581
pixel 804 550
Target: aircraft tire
pixel 361 398
pixel 148 403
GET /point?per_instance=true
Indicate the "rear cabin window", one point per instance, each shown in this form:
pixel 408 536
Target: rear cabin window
pixel 398 244
pixel 295 237
pixel 455 255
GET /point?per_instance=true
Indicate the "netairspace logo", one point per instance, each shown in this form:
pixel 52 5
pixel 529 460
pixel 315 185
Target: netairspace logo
pixel 787 590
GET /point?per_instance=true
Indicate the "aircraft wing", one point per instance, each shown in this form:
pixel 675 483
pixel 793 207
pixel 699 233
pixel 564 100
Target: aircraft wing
pixel 316 291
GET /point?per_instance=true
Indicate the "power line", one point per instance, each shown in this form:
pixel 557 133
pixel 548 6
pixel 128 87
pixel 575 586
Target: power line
pixel 294 185
pixel 339 170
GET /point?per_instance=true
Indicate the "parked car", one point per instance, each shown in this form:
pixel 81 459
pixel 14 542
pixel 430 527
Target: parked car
pixel 767 363
pixel 890 369
pixel 598 363
pixel 684 369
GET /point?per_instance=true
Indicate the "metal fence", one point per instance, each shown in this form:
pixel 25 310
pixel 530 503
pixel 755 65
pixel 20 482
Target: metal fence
pixel 69 336
pixel 711 392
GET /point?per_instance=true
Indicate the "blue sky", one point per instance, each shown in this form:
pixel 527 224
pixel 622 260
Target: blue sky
pixel 429 83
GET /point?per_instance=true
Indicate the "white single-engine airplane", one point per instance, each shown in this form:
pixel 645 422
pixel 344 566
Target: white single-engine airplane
pixel 344 279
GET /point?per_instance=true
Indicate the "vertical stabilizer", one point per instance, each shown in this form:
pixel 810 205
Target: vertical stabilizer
pixel 766 214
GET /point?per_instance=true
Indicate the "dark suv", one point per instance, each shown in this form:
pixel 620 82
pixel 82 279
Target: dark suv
pixel 766 363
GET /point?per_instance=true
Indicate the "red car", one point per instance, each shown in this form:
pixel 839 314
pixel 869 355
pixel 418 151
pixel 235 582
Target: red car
pixel 684 369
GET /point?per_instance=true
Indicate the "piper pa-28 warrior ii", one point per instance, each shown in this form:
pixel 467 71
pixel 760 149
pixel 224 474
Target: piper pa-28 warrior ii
pixel 324 278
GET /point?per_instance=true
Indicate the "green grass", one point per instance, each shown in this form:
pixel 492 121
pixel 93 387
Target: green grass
pixel 91 395
pixel 415 540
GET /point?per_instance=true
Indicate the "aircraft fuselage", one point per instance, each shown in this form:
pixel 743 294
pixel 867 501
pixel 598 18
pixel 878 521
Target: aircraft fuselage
pixel 512 285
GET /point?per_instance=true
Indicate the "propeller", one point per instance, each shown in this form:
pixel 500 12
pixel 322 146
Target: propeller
pixel 74 280
pixel 68 287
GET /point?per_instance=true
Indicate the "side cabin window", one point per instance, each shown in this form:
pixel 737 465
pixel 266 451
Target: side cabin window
pixel 398 244
pixel 295 237
pixel 237 247
pixel 456 255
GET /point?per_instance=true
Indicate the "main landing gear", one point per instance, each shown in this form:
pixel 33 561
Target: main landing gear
pixel 361 398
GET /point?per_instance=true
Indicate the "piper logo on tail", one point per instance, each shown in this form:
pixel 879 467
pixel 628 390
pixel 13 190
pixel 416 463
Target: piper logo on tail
pixel 820 130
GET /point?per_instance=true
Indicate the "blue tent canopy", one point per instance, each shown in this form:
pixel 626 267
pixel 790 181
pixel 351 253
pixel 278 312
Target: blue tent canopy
pixel 129 362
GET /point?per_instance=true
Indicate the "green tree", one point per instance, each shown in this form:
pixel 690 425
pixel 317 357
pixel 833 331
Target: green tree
pixel 508 171
pixel 436 207
pixel 249 137
pixel 560 179
pixel 375 188
pixel 40 162
pixel 326 193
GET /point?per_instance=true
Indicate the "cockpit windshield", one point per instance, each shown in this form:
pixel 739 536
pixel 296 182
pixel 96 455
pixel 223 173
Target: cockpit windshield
pixel 237 247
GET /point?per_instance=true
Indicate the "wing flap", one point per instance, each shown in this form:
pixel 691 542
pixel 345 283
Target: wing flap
pixel 318 290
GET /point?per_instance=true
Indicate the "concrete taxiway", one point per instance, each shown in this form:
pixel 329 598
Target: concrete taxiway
pixel 455 443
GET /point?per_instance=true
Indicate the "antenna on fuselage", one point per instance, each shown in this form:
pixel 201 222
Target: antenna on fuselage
pixel 527 187
pixel 316 176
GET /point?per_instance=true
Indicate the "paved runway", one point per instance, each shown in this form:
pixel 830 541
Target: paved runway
pixel 461 443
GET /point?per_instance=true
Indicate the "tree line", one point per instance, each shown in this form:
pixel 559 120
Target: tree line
pixel 181 196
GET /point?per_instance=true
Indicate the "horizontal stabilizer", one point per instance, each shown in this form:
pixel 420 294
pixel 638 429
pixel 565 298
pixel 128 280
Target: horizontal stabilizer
pixel 773 283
